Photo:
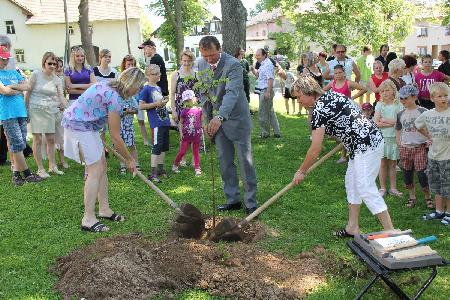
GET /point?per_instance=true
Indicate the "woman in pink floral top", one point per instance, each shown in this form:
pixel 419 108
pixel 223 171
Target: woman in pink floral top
pixel 99 105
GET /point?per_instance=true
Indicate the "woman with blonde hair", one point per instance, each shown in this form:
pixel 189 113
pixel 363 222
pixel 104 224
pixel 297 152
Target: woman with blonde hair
pixel 83 120
pixel 44 101
pixel 335 116
pixel 78 77
pixel 182 80
pixel 103 72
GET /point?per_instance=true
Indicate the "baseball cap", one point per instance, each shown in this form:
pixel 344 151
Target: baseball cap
pixel 366 106
pixel 147 43
pixel 187 95
pixel 408 90
pixel 4 53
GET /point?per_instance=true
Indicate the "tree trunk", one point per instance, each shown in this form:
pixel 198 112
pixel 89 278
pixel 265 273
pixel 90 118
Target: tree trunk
pixel 86 34
pixel 67 44
pixel 234 18
pixel 126 25
pixel 175 17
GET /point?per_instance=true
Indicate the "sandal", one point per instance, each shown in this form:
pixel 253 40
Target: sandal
pixel 395 192
pixel 123 171
pixel 411 203
pixel 97 227
pixel 382 192
pixel 343 234
pixel 114 217
pixel 430 203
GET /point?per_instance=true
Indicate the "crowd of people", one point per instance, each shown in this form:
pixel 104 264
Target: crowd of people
pixel 70 111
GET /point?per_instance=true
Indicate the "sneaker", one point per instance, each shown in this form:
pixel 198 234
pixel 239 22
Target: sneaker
pixel 341 160
pixel 433 216
pixel 175 169
pixel 446 220
pixel 395 192
pixel 162 173
pixel 138 167
pixel 398 169
pixel 154 178
pixel 42 174
pixel 33 178
pixel 183 163
pixel 277 136
pixel 17 180
pixel 123 171
pixel 65 165
pixel 198 172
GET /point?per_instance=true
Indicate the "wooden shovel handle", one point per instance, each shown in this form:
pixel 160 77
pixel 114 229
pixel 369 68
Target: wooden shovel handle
pixel 288 187
pixel 148 182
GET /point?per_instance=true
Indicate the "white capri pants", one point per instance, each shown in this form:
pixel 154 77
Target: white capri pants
pixel 88 142
pixel 360 179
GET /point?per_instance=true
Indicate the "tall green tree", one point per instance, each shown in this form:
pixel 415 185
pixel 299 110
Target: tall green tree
pixel 181 17
pixel 355 23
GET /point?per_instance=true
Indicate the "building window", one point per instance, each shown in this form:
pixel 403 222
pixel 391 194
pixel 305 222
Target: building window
pixel 71 32
pixel 264 32
pixel 212 26
pixel 422 31
pixel 257 33
pixel 20 55
pixel 10 27
pixel 422 50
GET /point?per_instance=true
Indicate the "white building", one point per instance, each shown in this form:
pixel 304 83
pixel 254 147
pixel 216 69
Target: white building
pixel 427 38
pixel 37 26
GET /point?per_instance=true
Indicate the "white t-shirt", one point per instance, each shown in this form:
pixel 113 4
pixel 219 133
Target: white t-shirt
pixel 438 125
pixel 44 93
pixel 290 79
pixel 347 63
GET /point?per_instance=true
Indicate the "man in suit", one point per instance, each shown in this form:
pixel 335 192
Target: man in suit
pixel 229 124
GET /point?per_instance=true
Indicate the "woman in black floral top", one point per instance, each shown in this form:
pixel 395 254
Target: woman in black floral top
pixel 338 116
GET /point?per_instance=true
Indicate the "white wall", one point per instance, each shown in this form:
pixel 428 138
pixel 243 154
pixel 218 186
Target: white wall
pixel 37 39
pixel 436 36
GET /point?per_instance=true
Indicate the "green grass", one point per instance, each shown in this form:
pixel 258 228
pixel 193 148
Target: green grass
pixel 39 223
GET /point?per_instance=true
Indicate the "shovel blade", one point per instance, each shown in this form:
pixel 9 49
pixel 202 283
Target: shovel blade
pixel 190 223
pixel 226 230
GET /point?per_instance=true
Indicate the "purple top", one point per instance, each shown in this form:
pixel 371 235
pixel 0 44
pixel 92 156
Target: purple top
pixel 192 124
pixel 82 77
pixel 90 111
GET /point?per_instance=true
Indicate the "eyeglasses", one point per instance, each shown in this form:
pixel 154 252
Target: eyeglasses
pixel 51 64
pixel 4 59
pixel 341 51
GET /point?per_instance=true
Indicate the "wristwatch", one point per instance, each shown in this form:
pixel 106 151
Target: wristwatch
pixel 220 118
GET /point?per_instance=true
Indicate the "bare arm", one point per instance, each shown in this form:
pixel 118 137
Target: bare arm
pixel 372 86
pixel 327 74
pixel 397 137
pixel 380 122
pixel 146 106
pixel 328 86
pixel 357 72
pixel 173 87
pixel 6 90
pixel 357 86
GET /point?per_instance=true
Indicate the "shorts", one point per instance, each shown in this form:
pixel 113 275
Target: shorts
pixel 41 120
pixel 88 143
pixel 438 172
pixel 141 115
pixel 413 158
pixel 390 148
pixel 160 140
pixel 16 132
pixel 287 94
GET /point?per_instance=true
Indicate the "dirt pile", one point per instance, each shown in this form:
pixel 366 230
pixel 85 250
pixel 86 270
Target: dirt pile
pixel 131 267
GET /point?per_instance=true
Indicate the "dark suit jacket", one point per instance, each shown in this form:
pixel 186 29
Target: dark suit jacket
pixel 231 99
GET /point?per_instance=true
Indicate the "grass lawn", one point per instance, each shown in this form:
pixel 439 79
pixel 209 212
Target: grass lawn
pixel 39 223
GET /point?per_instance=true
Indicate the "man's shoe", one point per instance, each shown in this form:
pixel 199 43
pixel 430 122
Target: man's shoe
pixel 227 207
pixel 277 136
pixel 249 211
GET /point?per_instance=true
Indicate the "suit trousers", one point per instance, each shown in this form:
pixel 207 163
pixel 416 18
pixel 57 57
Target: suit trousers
pixel 226 149
pixel 267 116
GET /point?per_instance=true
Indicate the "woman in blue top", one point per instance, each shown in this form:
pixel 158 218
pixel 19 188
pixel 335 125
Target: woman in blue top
pixel 83 121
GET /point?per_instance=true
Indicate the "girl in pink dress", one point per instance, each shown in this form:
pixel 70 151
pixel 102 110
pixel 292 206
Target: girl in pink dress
pixel 190 131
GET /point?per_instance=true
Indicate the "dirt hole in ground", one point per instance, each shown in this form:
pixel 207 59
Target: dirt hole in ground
pixel 132 267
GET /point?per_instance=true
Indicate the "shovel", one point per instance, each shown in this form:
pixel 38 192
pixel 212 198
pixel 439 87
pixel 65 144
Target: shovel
pixel 189 222
pixel 228 230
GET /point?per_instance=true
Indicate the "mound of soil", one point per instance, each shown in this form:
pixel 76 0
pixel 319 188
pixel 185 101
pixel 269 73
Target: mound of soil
pixel 131 267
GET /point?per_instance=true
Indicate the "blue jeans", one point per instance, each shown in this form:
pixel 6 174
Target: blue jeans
pixel 16 132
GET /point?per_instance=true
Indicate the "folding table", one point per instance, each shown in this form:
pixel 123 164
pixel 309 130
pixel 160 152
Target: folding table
pixel 384 267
